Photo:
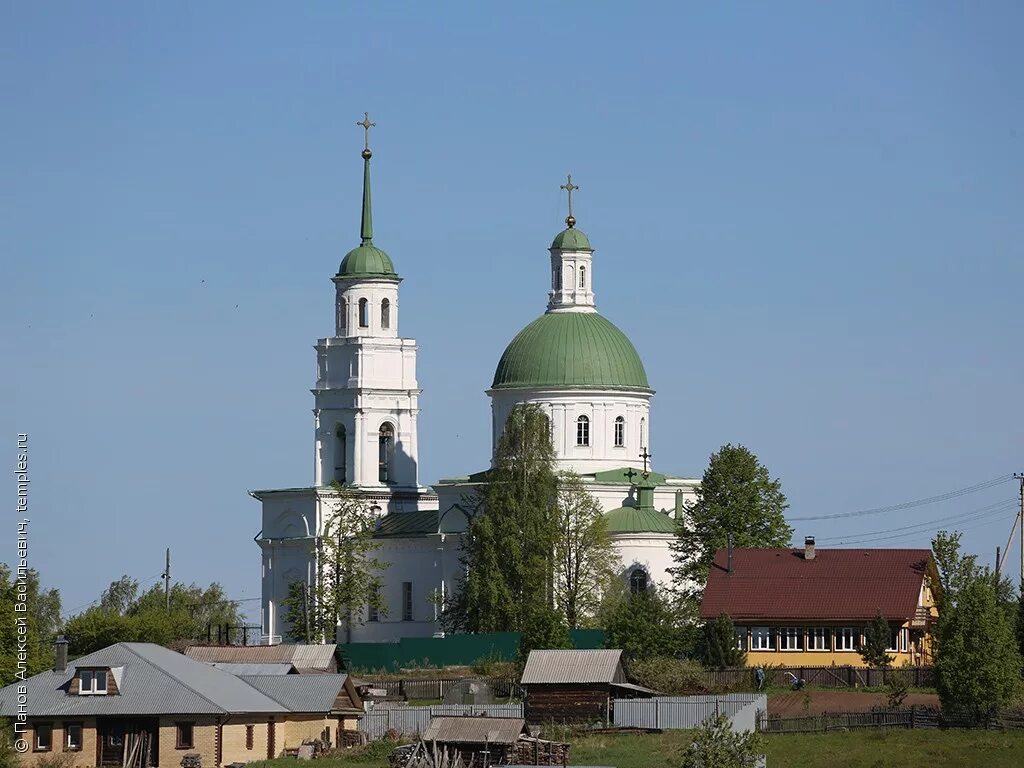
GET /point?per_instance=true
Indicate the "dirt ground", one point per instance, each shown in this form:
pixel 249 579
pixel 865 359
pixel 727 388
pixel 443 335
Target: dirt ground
pixel 792 704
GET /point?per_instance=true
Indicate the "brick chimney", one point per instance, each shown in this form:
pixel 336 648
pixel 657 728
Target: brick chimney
pixel 809 548
pixel 60 654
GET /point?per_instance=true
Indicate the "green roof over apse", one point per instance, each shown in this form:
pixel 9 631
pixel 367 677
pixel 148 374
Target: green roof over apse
pixel 634 520
pixel 571 239
pixel 366 259
pixel 572 350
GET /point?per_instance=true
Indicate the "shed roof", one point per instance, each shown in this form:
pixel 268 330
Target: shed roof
pixel 574 666
pixel 474 730
pixel 243 668
pixel 837 584
pixel 302 657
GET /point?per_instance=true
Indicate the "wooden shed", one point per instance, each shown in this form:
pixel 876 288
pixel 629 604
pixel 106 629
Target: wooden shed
pixel 575 686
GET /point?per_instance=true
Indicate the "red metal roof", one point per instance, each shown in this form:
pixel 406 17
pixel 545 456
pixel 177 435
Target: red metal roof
pixel 837 584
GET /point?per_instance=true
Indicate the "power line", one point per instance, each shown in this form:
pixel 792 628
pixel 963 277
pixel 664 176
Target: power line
pixel 910 504
pixel 998 507
pixel 854 542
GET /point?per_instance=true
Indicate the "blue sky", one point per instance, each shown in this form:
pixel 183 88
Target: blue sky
pixel 808 219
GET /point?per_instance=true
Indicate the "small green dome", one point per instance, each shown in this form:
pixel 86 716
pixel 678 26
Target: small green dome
pixel 571 239
pixel 572 350
pixel 366 261
pixel 634 520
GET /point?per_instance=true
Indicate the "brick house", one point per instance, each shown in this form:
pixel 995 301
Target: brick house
pixel 809 607
pixel 140 704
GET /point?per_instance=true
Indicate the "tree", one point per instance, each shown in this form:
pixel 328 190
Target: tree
pixel 737 498
pixel 585 561
pixel 508 550
pixel 41 623
pixel 545 629
pixel 876 641
pixel 718 648
pixel 977 660
pixel 348 577
pixel 644 625
pixel 297 616
pixel 715 745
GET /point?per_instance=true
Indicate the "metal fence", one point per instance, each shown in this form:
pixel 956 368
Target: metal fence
pixel 435 688
pixel 411 721
pixel 681 712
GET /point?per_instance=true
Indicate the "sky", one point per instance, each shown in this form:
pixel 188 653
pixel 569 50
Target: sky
pixel 808 218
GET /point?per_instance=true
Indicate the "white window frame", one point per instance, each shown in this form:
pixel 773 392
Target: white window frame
pixel 67 736
pixel 816 634
pixel 582 431
pixel 762 639
pixel 847 639
pixel 36 745
pixel 93 689
pixel 901 643
pixel 620 432
pixel 742 638
pixel 788 634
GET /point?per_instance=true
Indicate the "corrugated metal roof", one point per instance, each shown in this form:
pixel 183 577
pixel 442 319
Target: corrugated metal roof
pixel 474 730
pixel 302 657
pixel 240 669
pixel 300 693
pixel 154 681
pixel 574 666
pixel 837 585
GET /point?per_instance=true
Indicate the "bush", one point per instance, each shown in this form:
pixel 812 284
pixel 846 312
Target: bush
pixel 716 746
pixel 718 648
pixel 675 677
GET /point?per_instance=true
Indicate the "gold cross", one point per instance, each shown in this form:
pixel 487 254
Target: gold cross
pixel 366 125
pixel 570 188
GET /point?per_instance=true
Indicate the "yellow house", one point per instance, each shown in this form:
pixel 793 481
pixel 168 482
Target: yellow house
pixel 136 705
pixel 809 607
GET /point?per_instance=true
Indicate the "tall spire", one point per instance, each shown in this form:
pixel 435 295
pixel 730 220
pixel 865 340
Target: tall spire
pixel 366 228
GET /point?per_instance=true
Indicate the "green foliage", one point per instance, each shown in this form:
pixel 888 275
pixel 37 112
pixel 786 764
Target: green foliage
pixel 124 615
pixel 509 547
pixel 644 625
pixel 718 644
pixel 585 560
pixel 736 497
pixel 42 620
pixel 296 605
pixel 876 641
pixel 8 755
pixel 978 661
pixel 716 746
pixel 545 629
pixel 670 676
pixel 1020 624
pixel 897 686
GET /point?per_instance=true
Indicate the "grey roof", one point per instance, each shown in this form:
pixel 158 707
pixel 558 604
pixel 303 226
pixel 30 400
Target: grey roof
pixel 318 657
pixel 153 681
pixel 300 693
pixel 242 668
pixel 594 666
pixel 474 730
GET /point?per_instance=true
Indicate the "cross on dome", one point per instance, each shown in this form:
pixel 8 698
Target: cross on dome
pixel 569 187
pixel 366 125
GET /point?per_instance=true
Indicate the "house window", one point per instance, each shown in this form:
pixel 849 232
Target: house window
pixel 92 682
pixel 638 581
pixel 741 638
pixel 249 736
pixel 406 601
pixel 386 452
pixel 72 737
pixel 183 736
pixel 895 640
pixel 582 431
pixel 790 639
pixel 620 432
pixel 385 314
pixel 761 639
pixel 341 455
pixel 847 638
pixel 583 277
pixel 819 639
pixel 44 737
pixel 364 313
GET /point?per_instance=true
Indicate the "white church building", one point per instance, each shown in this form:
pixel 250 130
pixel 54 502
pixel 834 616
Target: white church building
pixel 573 362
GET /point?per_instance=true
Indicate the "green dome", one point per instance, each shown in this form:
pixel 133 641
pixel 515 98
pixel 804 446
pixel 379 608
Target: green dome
pixel 366 260
pixel 570 349
pixel 571 239
pixel 634 520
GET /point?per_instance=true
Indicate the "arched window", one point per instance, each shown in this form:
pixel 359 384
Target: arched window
pixel 638 581
pixel 620 431
pixel 364 313
pixel 343 314
pixel 583 277
pixel 386 452
pixel 643 433
pixel 556 279
pixel 385 314
pixel 340 455
pixel 582 431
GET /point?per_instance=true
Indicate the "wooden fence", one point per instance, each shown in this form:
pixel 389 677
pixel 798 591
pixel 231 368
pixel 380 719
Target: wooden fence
pixel 910 717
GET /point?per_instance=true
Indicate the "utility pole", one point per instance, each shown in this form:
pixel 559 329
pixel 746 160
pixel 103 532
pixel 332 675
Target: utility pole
pixel 167 580
pixel 1019 477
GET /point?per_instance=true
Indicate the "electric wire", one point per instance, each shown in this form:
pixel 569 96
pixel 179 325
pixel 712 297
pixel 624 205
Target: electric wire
pixel 996 508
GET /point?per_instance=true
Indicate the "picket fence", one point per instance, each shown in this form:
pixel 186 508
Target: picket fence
pixel 683 712
pixel 412 721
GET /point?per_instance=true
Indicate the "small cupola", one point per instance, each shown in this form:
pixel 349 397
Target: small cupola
pixel 571 266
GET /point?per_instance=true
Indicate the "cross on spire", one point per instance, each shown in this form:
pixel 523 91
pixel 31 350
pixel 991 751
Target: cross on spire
pixel 645 456
pixel 366 125
pixel 570 188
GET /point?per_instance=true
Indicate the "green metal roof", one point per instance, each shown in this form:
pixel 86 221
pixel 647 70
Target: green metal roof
pixel 570 349
pixel 634 520
pixel 407 524
pixel 366 259
pixel 571 239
